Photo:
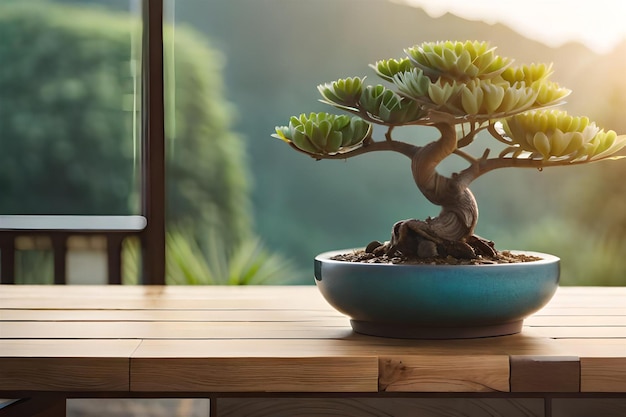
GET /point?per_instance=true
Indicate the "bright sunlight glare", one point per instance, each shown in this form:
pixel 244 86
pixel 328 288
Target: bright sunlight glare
pixel 598 24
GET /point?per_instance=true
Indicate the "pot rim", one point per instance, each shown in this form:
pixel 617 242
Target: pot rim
pixel 546 259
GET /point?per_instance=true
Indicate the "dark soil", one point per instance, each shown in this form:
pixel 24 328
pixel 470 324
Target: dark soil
pixel 502 257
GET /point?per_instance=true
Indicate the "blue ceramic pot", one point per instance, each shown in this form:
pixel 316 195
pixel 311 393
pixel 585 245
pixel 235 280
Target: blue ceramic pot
pixel 437 301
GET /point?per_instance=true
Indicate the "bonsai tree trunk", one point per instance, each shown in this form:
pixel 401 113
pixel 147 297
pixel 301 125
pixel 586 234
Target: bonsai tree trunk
pixel 452 231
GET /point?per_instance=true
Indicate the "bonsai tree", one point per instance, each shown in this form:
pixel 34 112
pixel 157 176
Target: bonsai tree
pixel 460 89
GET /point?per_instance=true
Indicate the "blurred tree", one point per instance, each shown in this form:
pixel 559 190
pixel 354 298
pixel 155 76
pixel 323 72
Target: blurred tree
pixel 69 114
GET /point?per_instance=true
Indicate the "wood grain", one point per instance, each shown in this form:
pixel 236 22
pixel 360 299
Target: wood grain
pixel 249 374
pixel 376 407
pixel 459 373
pixel 203 315
pixel 586 407
pixel 64 374
pixel 59 348
pixel 603 374
pixel 545 374
pixel 288 339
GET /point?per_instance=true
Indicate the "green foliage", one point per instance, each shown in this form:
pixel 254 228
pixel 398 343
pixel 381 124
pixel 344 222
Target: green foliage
pixel 464 79
pixel 64 128
pixel 472 86
pixel 70 117
pixel 188 263
pixel 70 120
pixel 34 267
pixel 587 258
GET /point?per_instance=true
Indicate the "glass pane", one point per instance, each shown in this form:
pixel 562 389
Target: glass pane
pixel 69 107
pixel 272 54
pixel 210 235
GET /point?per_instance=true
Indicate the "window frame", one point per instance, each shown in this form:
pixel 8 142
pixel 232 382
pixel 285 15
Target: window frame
pixel 153 144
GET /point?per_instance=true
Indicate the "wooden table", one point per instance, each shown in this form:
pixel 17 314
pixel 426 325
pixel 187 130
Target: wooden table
pixel 258 351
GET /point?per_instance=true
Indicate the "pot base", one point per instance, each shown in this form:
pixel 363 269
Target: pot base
pixel 410 331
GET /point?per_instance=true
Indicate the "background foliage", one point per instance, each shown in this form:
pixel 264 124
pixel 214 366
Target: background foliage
pixel 70 115
pixel 271 55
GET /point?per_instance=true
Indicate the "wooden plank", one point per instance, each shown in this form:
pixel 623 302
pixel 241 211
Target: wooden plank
pixel 32 348
pixel 603 374
pixel 580 296
pixel 163 304
pixel 460 373
pixel 578 332
pixel 150 297
pixel 256 315
pixel 585 407
pixel 65 365
pixel 377 407
pixel 545 374
pixel 587 290
pixel 64 374
pixel 220 332
pixel 216 315
pixel 580 311
pixel 593 348
pixel 331 328
pixel 28 293
pixel 130 297
pixel 250 374
pixel 576 321
pixel 355 345
pixel 174 330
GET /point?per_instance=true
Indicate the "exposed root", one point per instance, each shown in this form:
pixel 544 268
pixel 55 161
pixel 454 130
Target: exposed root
pixel 416 239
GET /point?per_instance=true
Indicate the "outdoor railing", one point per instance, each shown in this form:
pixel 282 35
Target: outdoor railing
pixel 58 230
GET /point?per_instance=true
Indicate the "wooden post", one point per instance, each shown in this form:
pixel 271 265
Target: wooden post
pixel 153 135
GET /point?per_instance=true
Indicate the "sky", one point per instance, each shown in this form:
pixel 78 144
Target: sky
pixel 599 24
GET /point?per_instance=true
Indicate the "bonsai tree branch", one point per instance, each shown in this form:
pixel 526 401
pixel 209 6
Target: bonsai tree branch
pixel 403 148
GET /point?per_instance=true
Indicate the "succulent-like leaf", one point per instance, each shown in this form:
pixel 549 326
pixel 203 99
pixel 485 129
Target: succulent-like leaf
pixel 472 98
pixel 549 92
pixel 461 61
pixel 345 92
pixel 494 95
pixel 323 133
pixel 441 92
pixel 371 98
pixel 412 83
pixel 302 141
pixel 356 132
pixel 388 106
pixel 388 68
pixel 527 73
pixel 555 134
